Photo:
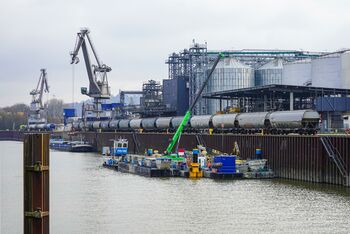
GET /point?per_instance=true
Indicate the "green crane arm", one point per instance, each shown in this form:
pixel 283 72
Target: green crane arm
pixel 188 113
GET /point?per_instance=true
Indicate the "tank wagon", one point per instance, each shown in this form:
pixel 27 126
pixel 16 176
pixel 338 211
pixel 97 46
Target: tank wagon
pixel 279 122
pixel 42 127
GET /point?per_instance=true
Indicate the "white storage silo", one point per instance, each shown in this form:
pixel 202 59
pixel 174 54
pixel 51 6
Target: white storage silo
pixel 297 73
pixel 345 70
pixel 269 73
pixel 229 74
pixel 326 71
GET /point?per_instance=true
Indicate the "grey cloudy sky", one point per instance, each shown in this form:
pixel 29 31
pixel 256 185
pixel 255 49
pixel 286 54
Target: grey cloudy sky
pixel 135 37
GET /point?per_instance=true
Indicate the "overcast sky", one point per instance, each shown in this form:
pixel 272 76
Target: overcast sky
pixel 134 38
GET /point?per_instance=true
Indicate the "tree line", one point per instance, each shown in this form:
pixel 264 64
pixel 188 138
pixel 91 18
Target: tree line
pixel 12 117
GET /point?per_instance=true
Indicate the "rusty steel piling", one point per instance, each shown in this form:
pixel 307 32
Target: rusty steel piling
pixel 36 183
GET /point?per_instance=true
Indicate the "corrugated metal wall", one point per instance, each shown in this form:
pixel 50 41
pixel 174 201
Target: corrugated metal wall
pixel 291 157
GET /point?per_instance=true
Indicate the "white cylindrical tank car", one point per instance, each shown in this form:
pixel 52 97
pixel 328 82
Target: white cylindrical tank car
pixel 163 123
pixel 124 124
pixel 255 120
pixel 294 119
pixel 135 124
pixel 225 121
pixel 176 121
pixel 149 123
pixel 113 124
pixel 96 124
pixel 105 124
pixel 201 121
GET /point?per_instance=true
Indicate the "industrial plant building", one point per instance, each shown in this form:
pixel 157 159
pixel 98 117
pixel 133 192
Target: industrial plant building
pixel 261 80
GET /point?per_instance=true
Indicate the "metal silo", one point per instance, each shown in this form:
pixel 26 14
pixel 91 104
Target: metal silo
pixel 229 74
pixel 297 73
pixel 345 70
pixel 269 73
pixel 326 71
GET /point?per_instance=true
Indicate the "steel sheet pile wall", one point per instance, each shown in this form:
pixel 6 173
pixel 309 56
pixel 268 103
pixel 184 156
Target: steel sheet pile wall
pixel 11 136
pixel 291 157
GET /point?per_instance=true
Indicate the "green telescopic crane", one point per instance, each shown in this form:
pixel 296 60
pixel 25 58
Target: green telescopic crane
pixel 189 111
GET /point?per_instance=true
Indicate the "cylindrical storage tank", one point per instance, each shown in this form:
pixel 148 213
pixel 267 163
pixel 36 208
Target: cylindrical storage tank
pixel 176 121
pixel 225 121
pixel 163 122
pixel 229 74
pixel 269 73
pixel 294 119
pixel 297 73
pixel 149 123
pixel 124 124
pixel 135 124
pixel 252 120
pixel 201 121
pixel 105 124
pixel 345 70
pixel 326 72
pixel 113 124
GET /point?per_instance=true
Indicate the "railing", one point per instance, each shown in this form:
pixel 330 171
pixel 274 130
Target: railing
pixel 136 142
pixel 200 139
pixel 335 156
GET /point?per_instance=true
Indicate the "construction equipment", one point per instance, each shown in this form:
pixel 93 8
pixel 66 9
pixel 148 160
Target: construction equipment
pixel 187 116
pixel 194 169
pixel 98 83
pixel 36 106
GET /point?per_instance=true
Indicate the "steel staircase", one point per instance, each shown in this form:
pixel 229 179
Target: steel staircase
pixel 335 156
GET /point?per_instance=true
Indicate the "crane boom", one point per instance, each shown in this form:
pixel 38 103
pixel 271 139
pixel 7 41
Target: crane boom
pixel 98 83
pixel 188 113
pixel 37 94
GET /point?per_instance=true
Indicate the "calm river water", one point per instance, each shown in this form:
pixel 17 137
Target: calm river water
pixel 86 198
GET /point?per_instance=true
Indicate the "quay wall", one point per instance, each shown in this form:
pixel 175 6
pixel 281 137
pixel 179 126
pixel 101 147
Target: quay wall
pixel 292 157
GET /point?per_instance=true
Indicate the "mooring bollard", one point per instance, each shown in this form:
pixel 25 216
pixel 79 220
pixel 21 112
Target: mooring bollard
pixel 36 183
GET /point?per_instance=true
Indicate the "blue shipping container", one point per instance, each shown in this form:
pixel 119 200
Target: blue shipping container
pixel 68 112
pixel 228 164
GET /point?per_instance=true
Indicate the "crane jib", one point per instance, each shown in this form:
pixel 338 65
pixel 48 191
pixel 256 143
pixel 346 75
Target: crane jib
pixel 188 113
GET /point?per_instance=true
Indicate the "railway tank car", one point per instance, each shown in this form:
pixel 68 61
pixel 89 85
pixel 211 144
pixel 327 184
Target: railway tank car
pixel 279 122
pixel 251 122
pixel 163 123
pixel 176 121
pixel 135 124
pixel 124 125
pixel 299 121
pixel 225 123
pixel 198 122
pixel 149 124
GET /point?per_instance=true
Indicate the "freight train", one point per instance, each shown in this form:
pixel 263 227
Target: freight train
pixel 279 122
pixel 40 127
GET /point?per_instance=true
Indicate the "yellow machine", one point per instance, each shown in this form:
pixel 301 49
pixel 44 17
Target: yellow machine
pixel 194 169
